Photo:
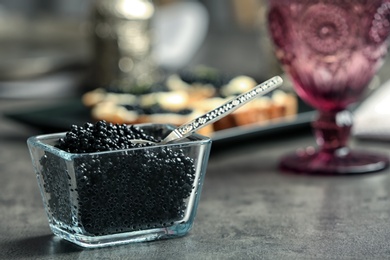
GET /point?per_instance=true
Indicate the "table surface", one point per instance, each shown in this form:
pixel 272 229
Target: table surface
pixel 248 208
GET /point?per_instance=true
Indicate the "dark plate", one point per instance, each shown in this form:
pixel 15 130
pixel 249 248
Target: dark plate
pixel 59 118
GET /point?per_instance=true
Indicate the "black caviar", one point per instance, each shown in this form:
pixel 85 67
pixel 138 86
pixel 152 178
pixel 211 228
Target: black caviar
pixel 122 191
pixel 155 109
pixel 204 75
pixel 101 136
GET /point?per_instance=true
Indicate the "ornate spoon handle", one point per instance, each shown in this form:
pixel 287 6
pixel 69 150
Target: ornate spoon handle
pixel 223 110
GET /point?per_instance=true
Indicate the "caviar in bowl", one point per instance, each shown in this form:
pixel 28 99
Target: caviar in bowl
pixel 118 196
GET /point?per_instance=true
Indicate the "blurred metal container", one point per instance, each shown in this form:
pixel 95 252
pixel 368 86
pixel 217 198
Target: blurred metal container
pixel 122 42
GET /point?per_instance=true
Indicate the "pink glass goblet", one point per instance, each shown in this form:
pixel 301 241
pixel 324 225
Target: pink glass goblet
pixel 331 49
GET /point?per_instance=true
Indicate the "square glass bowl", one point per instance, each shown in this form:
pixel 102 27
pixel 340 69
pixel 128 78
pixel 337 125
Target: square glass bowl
pixel 117 197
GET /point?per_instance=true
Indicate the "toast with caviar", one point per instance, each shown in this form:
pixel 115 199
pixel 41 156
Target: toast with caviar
pixel 186 95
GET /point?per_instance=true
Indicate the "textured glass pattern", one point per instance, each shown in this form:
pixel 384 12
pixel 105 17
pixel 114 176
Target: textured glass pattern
pixel 331 49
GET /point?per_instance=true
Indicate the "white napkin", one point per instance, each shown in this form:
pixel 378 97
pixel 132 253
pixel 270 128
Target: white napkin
pixel 372 117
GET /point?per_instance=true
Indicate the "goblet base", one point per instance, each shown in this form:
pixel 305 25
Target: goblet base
pixel 343 162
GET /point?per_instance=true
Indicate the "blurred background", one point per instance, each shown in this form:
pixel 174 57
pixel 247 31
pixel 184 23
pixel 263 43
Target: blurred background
pixel 61 48
pixel 56 50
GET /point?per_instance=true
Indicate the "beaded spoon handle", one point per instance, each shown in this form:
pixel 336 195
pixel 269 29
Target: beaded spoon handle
pixel 219 112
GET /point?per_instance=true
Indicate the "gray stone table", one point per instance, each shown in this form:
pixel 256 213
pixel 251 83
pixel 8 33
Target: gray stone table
pixel 248 208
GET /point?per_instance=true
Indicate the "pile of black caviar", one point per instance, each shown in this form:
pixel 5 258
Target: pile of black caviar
pixel 127 190
pixel 101 136
pixel 205 75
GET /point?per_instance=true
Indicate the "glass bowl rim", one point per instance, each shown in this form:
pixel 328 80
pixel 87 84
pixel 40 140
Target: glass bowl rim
pixel 38 141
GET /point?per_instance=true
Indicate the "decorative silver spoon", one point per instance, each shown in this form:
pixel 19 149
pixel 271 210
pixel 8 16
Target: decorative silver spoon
pixel 219 112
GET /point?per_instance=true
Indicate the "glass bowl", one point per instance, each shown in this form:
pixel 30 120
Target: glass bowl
pixel 117 197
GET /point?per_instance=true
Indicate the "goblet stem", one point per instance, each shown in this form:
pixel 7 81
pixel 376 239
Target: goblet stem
pixel 332 130
pixel 333 156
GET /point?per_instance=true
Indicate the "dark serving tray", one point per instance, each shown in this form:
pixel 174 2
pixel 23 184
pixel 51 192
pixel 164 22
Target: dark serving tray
pixel 60 117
